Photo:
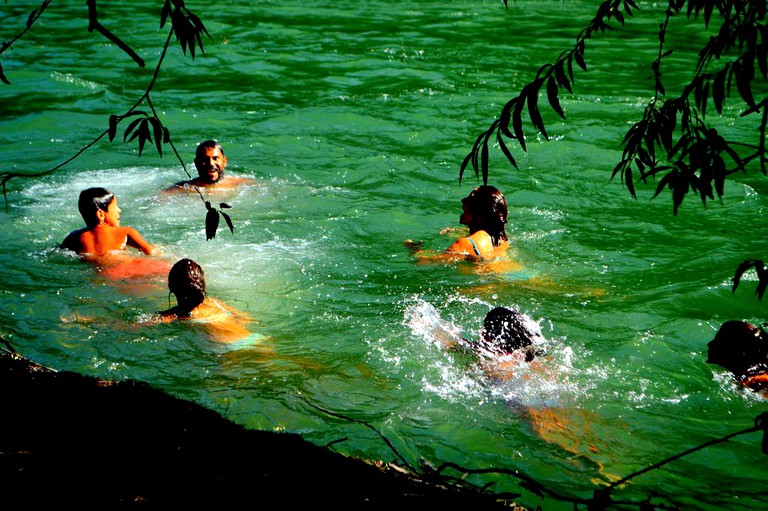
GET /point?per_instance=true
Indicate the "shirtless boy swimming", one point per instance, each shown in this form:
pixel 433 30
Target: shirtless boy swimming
pixel 103 233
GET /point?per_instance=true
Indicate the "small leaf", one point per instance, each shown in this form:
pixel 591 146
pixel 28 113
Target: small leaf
pixel 229 222
pixel 144 134
pixel 718 91
pixel 157 129
pixel 579 56
pixel 533 110
pixel 505 150
pixel 562 80
pixel 2 76
pixel 517 124
pixel 743 267
pixel 464 164
pixel 130 129
pixel 744 75
pixel 31 18
pixel 166 10
pixel 629 182
pixel 112 127
pixel 211 222
pixel 554 102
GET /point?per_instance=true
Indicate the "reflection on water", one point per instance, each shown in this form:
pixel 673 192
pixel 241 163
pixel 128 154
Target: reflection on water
pixel 351 123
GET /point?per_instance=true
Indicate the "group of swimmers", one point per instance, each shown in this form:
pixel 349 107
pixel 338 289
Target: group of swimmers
pixel 739 347
pixel 103 241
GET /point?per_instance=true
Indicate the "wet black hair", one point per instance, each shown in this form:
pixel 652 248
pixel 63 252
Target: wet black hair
pixel 92 200
pixel 488 203
pixel 505 330
pixel 186 281
pixel 207 144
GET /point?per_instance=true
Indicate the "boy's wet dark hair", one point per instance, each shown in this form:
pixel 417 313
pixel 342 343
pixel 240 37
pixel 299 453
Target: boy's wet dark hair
pixel 506 330
pixel 92 200
pixel 186 281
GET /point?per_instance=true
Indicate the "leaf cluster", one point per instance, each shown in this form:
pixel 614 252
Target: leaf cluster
pixel 212 219
pixel 553 78
pixel 672 140
pixel 186 25
pixel 672 143
pixel 140 128
pixel 144 126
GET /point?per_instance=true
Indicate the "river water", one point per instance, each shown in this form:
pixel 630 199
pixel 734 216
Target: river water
pixel 352 119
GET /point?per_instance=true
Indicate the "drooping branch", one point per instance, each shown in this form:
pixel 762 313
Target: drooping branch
pixel 188 29
pixel 94 24
pixel 31 19
pixel 553 76
pixel 671 139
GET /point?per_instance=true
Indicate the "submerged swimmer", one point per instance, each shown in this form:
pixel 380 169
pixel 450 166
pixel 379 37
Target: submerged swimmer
pixel 742 348
pixel 186 281
pixel 510 354
pixel 484 212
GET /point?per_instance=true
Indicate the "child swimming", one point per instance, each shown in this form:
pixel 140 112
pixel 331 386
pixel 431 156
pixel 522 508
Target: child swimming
pixel 186 281
pixel 104 241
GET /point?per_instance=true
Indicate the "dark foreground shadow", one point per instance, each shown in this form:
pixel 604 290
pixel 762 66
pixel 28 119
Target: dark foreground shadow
pixel 70 440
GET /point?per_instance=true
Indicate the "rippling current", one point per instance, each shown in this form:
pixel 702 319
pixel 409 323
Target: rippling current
pixel 352 119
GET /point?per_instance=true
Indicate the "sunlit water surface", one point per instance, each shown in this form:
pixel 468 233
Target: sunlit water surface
pixel 352 119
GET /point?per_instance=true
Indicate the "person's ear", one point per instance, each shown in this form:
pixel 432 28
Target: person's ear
pixel 224 161
pixel 101 215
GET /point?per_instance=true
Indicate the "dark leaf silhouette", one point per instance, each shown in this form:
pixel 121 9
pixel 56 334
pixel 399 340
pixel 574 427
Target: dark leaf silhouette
pixel 743 267
pixel 211 221
pixel 229 222
pixel 112 127
pixel 761 422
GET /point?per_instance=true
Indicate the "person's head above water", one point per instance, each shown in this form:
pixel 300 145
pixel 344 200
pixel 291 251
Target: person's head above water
pixel 485 208
pixel 210 161
pixel 91 201
pixel 737 346
pixel 186 281
pixel 508 330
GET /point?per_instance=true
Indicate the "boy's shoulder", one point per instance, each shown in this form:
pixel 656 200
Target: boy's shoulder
pixel 73 240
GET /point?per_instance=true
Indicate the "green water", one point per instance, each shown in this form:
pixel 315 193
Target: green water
pixel 352 118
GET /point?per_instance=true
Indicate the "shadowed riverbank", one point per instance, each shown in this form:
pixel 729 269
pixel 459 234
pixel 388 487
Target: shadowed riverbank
pixel 71 439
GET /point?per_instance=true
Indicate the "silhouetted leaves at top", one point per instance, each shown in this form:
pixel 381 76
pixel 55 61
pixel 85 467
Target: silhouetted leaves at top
pixel 186 25
pixel 672 139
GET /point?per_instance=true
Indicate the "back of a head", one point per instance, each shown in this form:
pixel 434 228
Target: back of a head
pixel 186 280
pixel 737 346
pixel 488 202
pixel 92 200
pixel 507 330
